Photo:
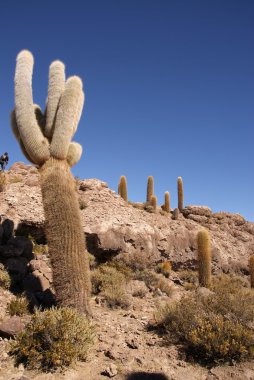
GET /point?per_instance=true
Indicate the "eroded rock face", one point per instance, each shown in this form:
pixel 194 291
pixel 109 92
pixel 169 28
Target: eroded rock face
pixel 113 227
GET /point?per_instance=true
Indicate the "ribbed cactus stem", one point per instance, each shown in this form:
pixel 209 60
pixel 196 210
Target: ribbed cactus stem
pixel 153 202
pixel 167 202
pixel 55 89
pixel 35 143
pixel 123 188
pixel 74 153
pixel 251 269
pixel 150 188
pixel 204 258
pixel 46 141
pixel 180 193
pixel 65 236
pixel 66 118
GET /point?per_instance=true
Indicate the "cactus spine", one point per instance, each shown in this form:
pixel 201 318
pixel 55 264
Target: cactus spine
pixel 123 188
pixel 180 193
pixel 251 269
pixel 46 141
pixel 167 202
pixel 204 258
pixel 153 202
pixel 150 189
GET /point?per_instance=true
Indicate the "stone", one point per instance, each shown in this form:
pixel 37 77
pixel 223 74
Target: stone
pixel 35 282
pixel 110 371
pixel 12 326
pixel 197 210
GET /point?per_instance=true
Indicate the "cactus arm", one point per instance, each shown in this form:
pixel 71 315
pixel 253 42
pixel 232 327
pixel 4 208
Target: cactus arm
pixel 65 235
pixel 35 143
pixel 78 112
pixel 15 131
pixel 65 118
pixel 74 153
pixel 55 89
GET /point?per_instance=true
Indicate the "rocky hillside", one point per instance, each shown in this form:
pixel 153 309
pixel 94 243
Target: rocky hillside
pixel 112 227
pixel 126 347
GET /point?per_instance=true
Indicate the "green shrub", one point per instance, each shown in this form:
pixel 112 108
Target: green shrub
pixel 111 284
pixel 18 306
pixel 54 338
pixel 216 327
pixel 5 280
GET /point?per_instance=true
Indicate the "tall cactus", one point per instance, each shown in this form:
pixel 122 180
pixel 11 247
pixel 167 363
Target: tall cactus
pixel 180 193
pixel 45 140
pixel 204 258
pixel 122 188
pixel 251 269
pixel 150 189
pixel 153 202
pixel 167 202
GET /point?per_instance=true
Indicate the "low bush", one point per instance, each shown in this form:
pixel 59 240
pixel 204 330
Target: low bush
pixel 18 306
pixel 5 280
pixel 54 338
pixel 165 268
pixel 111 284
pixel 216 327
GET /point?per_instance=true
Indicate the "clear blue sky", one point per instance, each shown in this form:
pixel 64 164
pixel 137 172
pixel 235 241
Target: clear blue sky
pixel 169 90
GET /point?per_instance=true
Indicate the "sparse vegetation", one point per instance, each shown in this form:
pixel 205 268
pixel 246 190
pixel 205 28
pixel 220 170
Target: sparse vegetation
pixel 18 306
pixel 111 284
pixel 38 249
pixel 5 280
pixel 165 268
pixel 54 338
pixel 214 327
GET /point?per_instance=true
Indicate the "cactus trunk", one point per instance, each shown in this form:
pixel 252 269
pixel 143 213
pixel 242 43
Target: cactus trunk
pixel 204 258
pixel 65 236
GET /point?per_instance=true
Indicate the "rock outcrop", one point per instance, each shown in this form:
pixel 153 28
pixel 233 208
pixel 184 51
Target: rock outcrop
pixel 113 227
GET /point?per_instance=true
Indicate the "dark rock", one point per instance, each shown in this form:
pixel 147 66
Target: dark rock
pixel 8 228
pixel 17 266
pixel 24 244
pixel 10 251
